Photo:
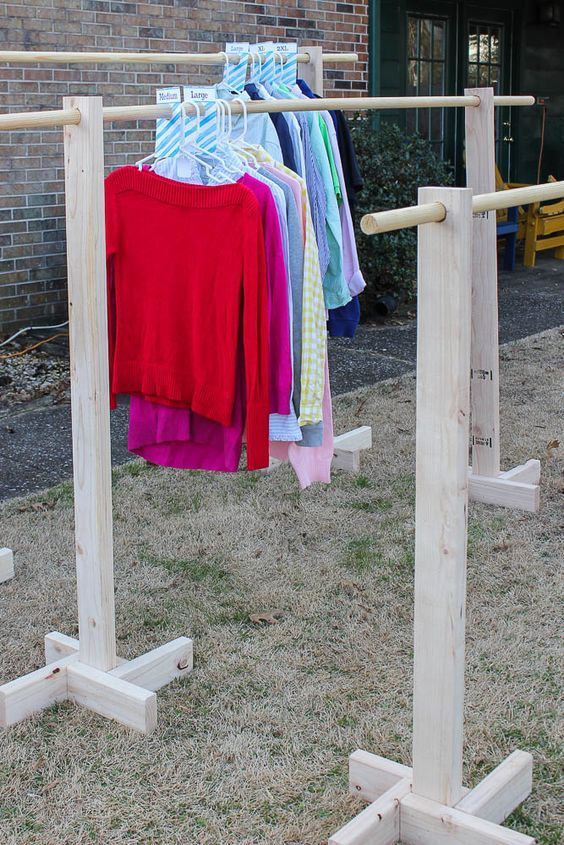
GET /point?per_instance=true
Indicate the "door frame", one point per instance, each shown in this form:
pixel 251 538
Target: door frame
pixel 504 17
pixel 458 16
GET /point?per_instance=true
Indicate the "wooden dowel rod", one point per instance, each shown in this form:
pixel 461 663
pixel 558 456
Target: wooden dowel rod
pixel 322 104
pixel 402 218
pixel 38 119
pixel 60 57
pixel 150 112
pixel 518 196
pixel 30 120
pixel 514 100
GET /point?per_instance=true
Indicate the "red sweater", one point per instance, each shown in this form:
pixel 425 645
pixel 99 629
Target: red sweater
pixel 189 280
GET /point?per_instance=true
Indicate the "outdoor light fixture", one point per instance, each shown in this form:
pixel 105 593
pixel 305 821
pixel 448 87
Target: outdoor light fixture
pixel 549 12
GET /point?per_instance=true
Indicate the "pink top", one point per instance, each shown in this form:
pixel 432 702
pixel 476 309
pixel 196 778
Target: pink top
pixel 311 463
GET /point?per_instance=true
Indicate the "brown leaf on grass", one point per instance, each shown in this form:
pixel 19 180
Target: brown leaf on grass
pixel 551 447
pixel 501 547
pixel 38 507
pixel 271 617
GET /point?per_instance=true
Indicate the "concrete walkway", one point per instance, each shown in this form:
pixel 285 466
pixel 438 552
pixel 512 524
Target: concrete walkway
pixel 35 443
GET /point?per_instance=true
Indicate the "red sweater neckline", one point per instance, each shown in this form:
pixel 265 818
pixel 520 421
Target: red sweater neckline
pixel 177 193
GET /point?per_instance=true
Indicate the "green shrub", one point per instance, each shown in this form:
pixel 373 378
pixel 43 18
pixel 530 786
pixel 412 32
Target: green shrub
pixel 394 166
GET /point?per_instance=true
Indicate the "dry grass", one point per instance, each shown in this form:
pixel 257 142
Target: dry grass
pixel 253 746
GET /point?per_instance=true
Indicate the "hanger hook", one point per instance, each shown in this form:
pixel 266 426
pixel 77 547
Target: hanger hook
pixel 225 58
pixel 229 111
pixel 245 117
pixel 197 107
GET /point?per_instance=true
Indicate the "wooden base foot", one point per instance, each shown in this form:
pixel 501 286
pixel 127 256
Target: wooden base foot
pixel 126 693
pixel 379 823
pixel 396 812
pixel 346 450
pixel 6 565
pixel 516 488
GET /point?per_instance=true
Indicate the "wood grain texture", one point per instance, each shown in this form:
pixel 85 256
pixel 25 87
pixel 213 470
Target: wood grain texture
pixel 424 822
pixel 58 645
pixel 96 58
pixel 370 775
pixel 158 667
pixel 6 565
pixel 529 473
pixel 484 389
pixel 443 358
pixel 504 492
pixel 377 824
pixel 86 251
pixel 112 697
pixel 312 72
pixel 34 692
pixel 502 790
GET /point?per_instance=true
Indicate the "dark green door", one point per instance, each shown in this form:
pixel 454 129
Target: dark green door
pixel 431 49
pixel 449 47
pixel 486 50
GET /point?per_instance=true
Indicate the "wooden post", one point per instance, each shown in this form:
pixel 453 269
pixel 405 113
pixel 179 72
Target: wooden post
pixel 84 185
pixel 312 72
pixel 6 565
pixel 484 363
pixel 443 384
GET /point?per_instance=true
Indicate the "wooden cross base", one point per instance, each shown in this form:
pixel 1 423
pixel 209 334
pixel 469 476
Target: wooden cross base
pixel 346 450
pixel 126 693
pixel 397 814
pixel 6 565
pixel 517 488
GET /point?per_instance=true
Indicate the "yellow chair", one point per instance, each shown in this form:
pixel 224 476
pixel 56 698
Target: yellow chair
pixel 502 185
pixel 544 230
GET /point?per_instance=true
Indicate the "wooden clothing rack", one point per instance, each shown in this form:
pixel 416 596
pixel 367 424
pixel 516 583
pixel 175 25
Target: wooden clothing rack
pixel 427 804
pixel 457 305
pixel 517 487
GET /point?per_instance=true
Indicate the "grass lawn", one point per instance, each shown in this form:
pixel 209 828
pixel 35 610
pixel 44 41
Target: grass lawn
pixel 252 747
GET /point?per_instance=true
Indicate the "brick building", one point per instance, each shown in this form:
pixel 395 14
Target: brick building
pixel 32 239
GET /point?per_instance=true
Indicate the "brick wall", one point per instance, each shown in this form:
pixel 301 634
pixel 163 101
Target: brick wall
pixel 32 241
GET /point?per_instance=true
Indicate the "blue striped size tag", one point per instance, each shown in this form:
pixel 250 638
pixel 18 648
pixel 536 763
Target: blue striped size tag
pixel 235 74
pixel 202 130
pixel 266 53
pixel 168 135
pixel 289 50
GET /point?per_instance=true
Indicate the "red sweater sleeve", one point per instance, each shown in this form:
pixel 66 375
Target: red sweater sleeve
pixel 112 238
pixel 255 340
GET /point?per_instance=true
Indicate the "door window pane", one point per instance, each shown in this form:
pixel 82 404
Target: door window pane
pixel 485 44
pixel 484 55
pixel 426 74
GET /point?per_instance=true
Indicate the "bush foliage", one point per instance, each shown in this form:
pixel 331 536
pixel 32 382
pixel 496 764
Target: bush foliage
pixel 394 166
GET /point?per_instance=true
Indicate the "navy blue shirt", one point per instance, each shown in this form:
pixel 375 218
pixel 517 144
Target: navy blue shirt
pixel 281 127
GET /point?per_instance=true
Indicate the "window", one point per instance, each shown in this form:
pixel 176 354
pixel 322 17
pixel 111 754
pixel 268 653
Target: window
pixel 484 56
pixel 485 47
pixel 426 75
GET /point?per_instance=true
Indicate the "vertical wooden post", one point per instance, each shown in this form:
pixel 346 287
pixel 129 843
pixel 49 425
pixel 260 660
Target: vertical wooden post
pixel 443 385
pixel 484 364
pixel 312 73
pixel 84 184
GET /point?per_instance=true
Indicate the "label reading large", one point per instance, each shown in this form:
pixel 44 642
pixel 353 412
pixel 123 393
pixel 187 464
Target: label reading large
pixel 201 93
